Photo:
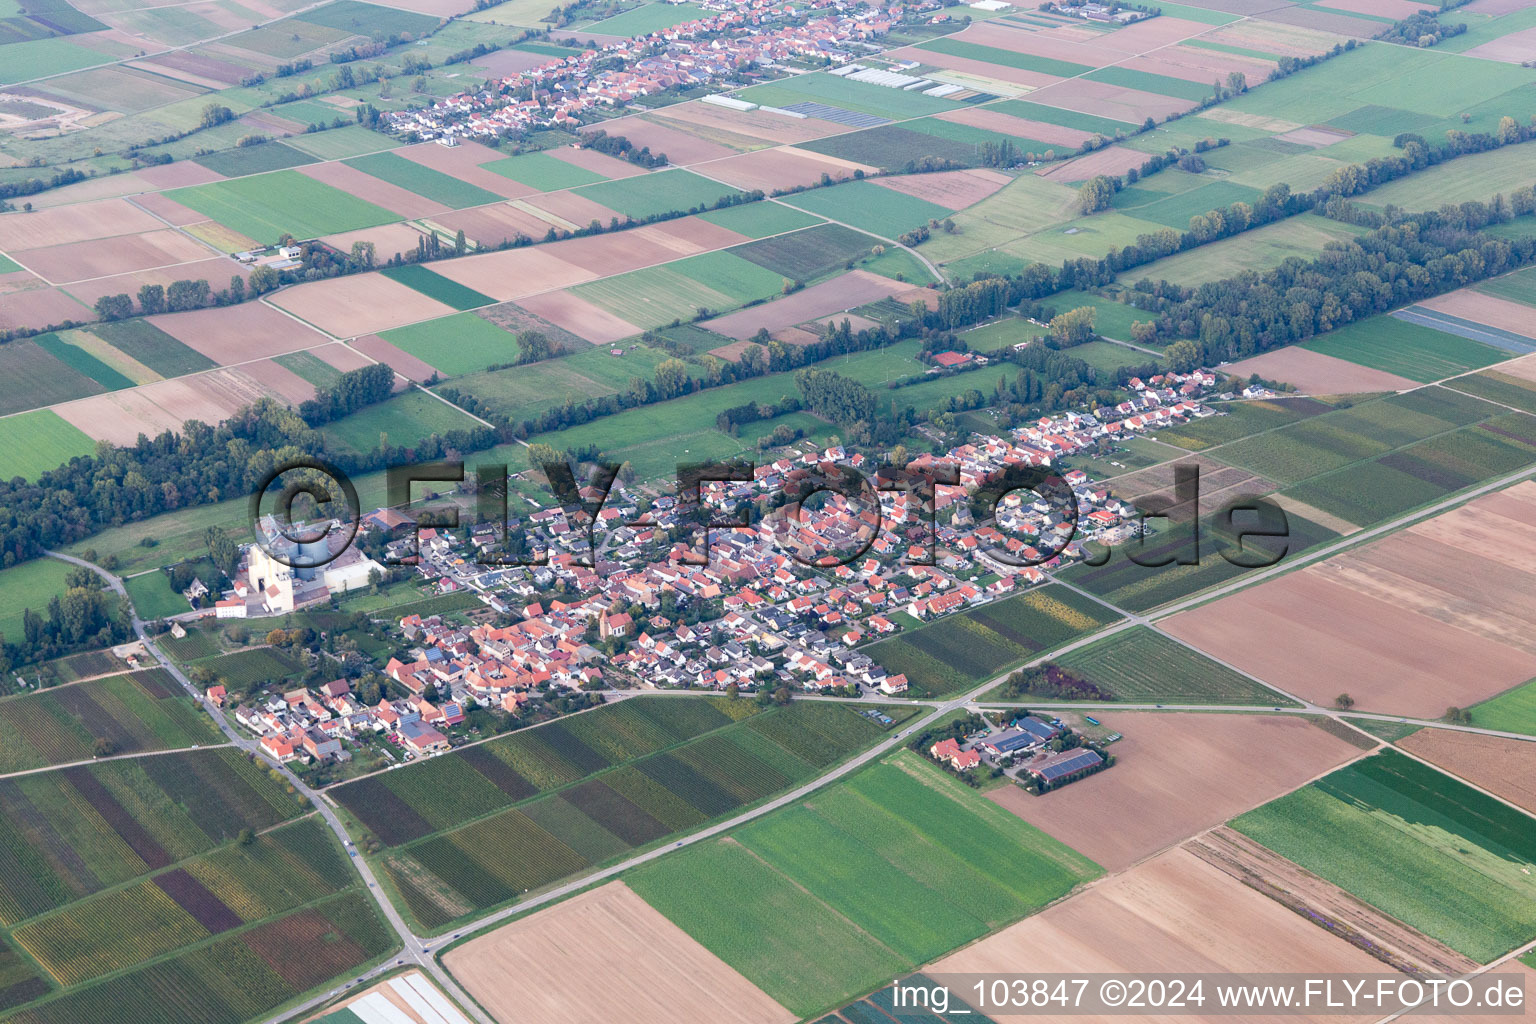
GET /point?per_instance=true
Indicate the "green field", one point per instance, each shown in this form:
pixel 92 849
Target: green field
pixel 807 254
pixel 966 648
pixel 265 206
pixel 482 827
pixel 268 156
pixel 1105 126
pixel 148 344
pixel 133 712
pixel 1240 419
pixel 890 869
pixel 404 420
pixel 309 366
pixel 35 442
pixel 456 345
pixel 1175 211
pixel 1511 711
pixel 758 220
pixel 1004 58
pixel 1141 665
pixel 543 172
pixel 1467 179
pixel 648 18
pixel 1421 846
pixel 1145 81
pixel 870 207
pixel 28 585
pixel 1504 388
pixel 1517 287
pixel 340 143
pixel 860 97
pixel 654 296
pixel 1408 350
pixel 1258 249
pixel 521 392
pixel 436 286
pixel 357 18
pixel 657 193
pixel 153 597
pixel 38 57
pixel 423 180
pixel 81 361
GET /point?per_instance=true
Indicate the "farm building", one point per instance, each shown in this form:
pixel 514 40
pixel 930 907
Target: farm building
pixel 1055 769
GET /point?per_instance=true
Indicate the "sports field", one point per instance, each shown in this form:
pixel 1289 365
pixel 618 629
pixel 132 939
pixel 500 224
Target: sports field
pixel 436 286
pixel 34 442
pixel 1421 846
pixel 865 205
pixel 1141 665
pixel 423 180
pixel 456 345
pixel 963 649
pixel 1511 711
pixel 657 193
pixel 266 206
pixel 1408 350
pixel 889 869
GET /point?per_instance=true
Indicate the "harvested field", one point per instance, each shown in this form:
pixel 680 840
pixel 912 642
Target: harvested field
pixel 340 356
pixel 169 209
pixel 1316 374
pixel 1197 65
pixel 252 330
pixel 1021 127
pixel 1112 160
pixel 1524 367
pixel 655 972
pixel 279 380
pixel 491 225
pixel 463 162
pixel 954 189
pixel 397 359
pixel 684 236
pixel 770 169
pixel 1429 617
pixel 1174 913
pixel 579 316
pixel 597 163
pixel 387 239
pixel 567 210
pixel 1176 775
pixel 1108 100
pixel 121 416
pixel 1349 917
pixel 680 147
pixel 754 123
pixel 362 304
pixel 855 288
pixel 408 205
pixel 79 223
pixel 41 307
pixel 176 175
pixel 1489 310
pixel 513 273
pixel 1515 48
pixel 1504 767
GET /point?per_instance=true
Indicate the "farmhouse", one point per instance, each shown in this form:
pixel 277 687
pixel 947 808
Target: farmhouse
pixel 421 739
pixel 960 760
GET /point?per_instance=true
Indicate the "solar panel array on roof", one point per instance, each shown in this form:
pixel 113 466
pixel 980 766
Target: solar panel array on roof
pixel 1074 762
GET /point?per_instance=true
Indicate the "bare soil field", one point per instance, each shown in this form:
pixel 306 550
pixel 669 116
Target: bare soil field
pixel 579 316
pixel 1174 913
pixel 680 147
pixel 954 189
pixel 1515 48
pixel 1490 310
pixel 222 71
pixel 216 270
pixel 686 236
pixel 796 336
pixel 505 63
pixel 540 968
pixel 82 222
pixel 346 307
pixel 177 175
pixel 1109 160
pixel 568 210
pixel 603 255
pixel 1317 374
pixel 1148 35
pixel 597 163
pixel 387 239
pixel 1007 124
pixel 1353 920
pixel 121 254
pixel 234 334
pixel 41 307
pixel 279 380
pixel 1312 18
pixel 490 225
pixel 750 123
pixel 1504 767
pixel 1433 616
pixel 1286 41
pixel 1496 7
pixel 1095 52
pixel 1394 9
pixel 1314 136
pixel 169 209
pixel 512 273
pixel 979 68
pixel 402 202
pixel 20 281
pixel 395 358
pixel 339 355
pixel 463 162
pixel 1176 775
pixel 732 352
pixel 120 416
pixel 855 288
pixel 768 169
pixel 1524 367
pixel 1107 100
pixel 1203 66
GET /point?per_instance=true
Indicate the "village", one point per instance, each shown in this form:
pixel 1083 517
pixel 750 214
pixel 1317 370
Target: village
pixel 644 609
